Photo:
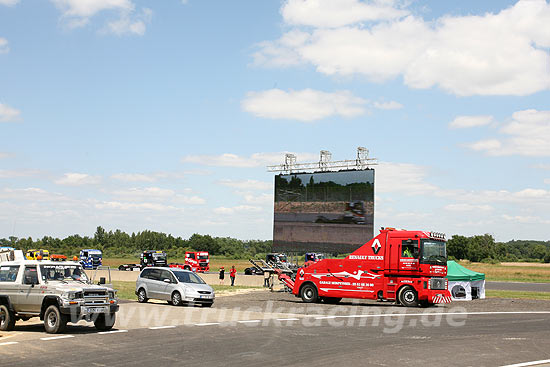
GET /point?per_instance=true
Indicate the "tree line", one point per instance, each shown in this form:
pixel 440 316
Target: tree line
pixel 121 244
pixel 485 248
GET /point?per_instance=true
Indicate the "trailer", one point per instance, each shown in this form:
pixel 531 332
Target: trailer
pixel 408 267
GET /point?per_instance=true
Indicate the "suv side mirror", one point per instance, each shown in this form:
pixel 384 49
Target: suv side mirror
pixel 166 280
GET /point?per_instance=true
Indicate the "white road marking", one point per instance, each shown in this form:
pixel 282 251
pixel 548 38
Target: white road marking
pixel 58 337
pixel 112 332
pixel 438 314
pixel 525 364
pixel 514 338
pixel 8 343
pixel 248 321
pixel 207 324
pixel 162 327
pixel 289 319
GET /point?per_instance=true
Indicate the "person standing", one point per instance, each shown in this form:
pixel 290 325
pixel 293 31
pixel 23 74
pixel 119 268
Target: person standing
pixel 232 274
pixel 222 275
pixel 267 275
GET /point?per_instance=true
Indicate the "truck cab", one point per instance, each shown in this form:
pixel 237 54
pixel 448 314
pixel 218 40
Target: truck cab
pixel 408 267
pixel 153 258
pixel 34 254
pixel 91 258
pixel 196 261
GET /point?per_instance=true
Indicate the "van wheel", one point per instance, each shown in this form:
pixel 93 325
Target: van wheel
pixel 142 296
pixel 309 293
pixel 105 322
pixel 54 321
pixel 408 297
pixel 176 298
pixel 7 319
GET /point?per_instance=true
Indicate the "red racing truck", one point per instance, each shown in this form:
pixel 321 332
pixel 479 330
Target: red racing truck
pixel 198 261
pixel 408 267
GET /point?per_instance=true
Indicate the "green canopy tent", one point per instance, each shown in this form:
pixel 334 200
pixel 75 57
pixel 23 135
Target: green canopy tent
pixel 465 284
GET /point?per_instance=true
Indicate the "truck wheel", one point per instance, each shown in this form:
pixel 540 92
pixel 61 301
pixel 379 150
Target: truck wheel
pixel 186 267
pixel 142 296
pixel 331 300
pixel 176 298
pixel 7 319
pixel 105 322
pixel 309 293
pixel 408 297
pixel 54 321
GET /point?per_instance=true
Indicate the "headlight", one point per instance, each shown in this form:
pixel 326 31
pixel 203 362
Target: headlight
pixel 72 295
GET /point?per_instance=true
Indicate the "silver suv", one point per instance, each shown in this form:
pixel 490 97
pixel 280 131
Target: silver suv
pixel 176 286
pixel 57 292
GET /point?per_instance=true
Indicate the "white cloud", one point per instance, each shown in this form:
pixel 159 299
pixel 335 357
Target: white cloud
pixel 78 179
pixel 247 184
pixel 303 105
pixel 404 178
pixel 8 2
pixel 527 134
pixel 237 209
pixel 17 173
pixel 8 114
pixel 391 105
pixel 467 207
pixel 254 160
pixel 130 25
pixel 133 177
pixel 502 53
pixel 262 199
pixel 4 155
pixel 525 219
pixel 147 192
pixel 4 47
pixel 77 13
pixel 330 13
pixel 135 206
pixel 461 122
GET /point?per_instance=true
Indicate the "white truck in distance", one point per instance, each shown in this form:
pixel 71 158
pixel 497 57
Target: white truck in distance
pixel 57 292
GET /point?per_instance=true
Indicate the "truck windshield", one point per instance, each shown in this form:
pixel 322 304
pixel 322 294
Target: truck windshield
pixel 434 252
pixel 63 273
pixel 185 277
pixel 203 257
pixel 96 256
pixel 159 256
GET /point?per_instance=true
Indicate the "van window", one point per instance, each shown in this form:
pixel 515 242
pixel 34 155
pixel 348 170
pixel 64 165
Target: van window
pixel 154 274
pixel 167 275
pixel 9 273
pixel 145 273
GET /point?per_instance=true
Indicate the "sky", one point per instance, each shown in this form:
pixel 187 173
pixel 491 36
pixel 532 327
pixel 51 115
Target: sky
pixel 163 115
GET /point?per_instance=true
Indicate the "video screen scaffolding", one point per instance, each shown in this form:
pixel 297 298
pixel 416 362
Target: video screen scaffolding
pixel 330 209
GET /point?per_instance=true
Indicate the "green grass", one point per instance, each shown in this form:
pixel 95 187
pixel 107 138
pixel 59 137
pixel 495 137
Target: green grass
pixel 507 273
pixel 125 290
pixel 517 294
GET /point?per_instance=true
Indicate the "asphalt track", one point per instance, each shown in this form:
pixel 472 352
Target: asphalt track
pixel 480 333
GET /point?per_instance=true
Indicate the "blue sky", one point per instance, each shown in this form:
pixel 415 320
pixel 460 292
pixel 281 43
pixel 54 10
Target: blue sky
pixel 163 115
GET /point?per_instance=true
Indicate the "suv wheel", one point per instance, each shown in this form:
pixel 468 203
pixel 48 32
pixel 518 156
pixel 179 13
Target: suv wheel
pixel 7 319
pixel 105 321
pixel 54 321
pixel 142 296
pixel 309 293
pixel 176 298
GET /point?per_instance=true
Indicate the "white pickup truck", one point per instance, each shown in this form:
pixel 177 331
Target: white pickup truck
pixel 57 292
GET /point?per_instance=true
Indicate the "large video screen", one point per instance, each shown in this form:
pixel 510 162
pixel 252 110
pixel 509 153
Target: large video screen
pixel 330 212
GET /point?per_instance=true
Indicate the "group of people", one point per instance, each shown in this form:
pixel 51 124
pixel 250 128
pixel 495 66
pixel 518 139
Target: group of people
pixel 232 273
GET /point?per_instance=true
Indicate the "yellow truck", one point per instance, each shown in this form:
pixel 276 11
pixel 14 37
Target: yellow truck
pixel 34 254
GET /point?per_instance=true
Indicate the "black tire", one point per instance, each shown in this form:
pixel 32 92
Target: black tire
pixel 332 300
pixel 186 267
pixel 105 322
pixel 247 271
pixel 309 293
pixel 54 321
pixel 121 268
pixel 7 319
pixel 408 297
pixel 176 299
pixel 142 296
